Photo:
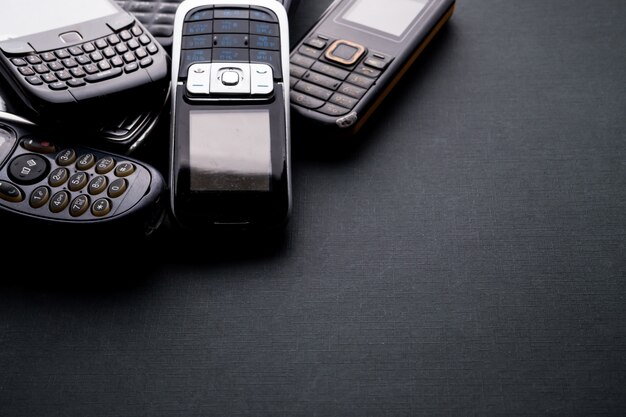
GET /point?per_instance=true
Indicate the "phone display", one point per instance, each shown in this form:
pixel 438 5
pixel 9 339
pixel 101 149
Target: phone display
pixel 230 150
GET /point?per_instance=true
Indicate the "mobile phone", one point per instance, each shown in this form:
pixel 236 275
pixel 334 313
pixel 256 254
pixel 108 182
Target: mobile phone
pixel 69 61
pixel 47 183
pixel 230 114
pixel 345 66
pixel 158 16
pixel 120 129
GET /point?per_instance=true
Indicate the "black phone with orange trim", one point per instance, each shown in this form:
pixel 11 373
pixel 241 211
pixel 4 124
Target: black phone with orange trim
pixel 351 59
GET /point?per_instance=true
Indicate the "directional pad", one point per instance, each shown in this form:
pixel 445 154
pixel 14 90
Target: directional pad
pixel 28 169
pixel 230 78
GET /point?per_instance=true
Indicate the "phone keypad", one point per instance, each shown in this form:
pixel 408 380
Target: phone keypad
pixel 332 76
pixel 67 183
pixel 88 63
pixel 237 34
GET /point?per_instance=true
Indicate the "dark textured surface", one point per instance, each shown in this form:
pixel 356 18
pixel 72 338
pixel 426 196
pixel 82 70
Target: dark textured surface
pixel 467 259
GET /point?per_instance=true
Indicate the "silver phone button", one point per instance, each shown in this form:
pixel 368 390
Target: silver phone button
pixel 199 79
pixel 230 78
pixel 262 79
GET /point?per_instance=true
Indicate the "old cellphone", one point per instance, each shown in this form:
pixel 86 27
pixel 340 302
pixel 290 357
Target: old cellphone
pixel 72 59
pixel 355 54
pixel 230 114
pixel 45 182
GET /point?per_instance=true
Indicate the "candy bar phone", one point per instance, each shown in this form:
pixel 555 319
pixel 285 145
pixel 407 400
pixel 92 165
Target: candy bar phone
pixel 357 52
pixel 230 114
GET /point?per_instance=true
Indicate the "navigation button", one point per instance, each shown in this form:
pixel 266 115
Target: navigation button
pixel 28 169
pixel 230 78
pixel 345 52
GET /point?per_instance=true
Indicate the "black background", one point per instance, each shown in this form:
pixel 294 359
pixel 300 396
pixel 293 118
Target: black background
pixel 467 257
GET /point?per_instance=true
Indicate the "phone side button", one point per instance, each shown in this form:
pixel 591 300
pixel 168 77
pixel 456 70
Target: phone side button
pixel 305 101
pixel 10 192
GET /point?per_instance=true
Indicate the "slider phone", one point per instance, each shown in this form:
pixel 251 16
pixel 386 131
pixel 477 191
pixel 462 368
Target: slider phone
pixel 354 56
pixel 73 61
pixel 47 183
pixel 230 114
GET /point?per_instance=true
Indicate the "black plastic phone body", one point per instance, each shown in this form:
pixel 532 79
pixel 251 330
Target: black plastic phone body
pixel 355 54
pixel 80 71
pixel 230 115
pixel 48 183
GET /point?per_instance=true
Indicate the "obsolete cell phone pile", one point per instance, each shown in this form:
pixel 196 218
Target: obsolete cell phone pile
pixel 95 80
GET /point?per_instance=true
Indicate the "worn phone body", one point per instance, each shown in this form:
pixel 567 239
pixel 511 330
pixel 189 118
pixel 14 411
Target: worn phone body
pixel 47 183
pixel 230 114
pixel 70 64
pixel 345 66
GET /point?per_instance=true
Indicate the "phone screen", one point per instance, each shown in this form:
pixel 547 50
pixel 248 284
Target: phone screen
pixel 24 17
pixel 392 17
pixel 230 150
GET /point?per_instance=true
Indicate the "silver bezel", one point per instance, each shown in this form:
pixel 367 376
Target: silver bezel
pixel 283 24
